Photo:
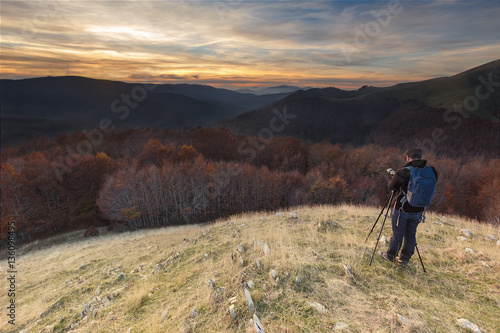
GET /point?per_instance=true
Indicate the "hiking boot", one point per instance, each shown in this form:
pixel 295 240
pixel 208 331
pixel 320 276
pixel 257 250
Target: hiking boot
pixel 402 263
pixel 385 257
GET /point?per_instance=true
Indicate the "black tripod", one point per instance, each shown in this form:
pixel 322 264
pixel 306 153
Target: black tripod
pixel 387 205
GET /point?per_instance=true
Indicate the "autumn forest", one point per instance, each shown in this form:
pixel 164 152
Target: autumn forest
pixel 156 177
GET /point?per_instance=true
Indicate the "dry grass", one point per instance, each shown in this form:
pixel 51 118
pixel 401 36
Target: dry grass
pixel 58 281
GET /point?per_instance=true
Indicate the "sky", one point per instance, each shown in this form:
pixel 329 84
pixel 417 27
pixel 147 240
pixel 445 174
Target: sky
pixel 238 43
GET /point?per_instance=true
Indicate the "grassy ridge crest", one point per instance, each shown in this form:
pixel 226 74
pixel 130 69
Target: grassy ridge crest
pixel 76 284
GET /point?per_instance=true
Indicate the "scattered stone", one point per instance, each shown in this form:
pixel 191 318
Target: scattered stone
pixel 469 250
pixel 157 268
pixel 466 232
pixel 164 314
pixel 464 323
pixel 340 326
pixel 243 225
pixel 498 242
pixel 98 290
pixel 318 306
pixel 438 223
pixel 250 284
pixel 279 214
pixel 485 264
pixel 265 248
pixel 274 275
pixel 492 237
pixel 232 311
pixel 294 215
pixel 194 313
pixel 81 266
pixel 211 284
pixel 250 304
pixel 265 287
pixel 233 256
pixel 402 320
pixel 240 248
pixel 221 290
pixel 256 242
pixel 205 256
pixel 348 270
pixel 257 261
pixel 462 238
pixel 121 276
pixel 258 326
pixel 91 232
pixel 298 280
pixel 382 240
pixel 263 219
pixel 242 262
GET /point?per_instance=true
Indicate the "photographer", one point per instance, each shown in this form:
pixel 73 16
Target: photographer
pixel 406 217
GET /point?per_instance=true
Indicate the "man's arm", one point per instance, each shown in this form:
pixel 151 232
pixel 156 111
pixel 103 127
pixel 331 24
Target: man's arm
pixel 398 179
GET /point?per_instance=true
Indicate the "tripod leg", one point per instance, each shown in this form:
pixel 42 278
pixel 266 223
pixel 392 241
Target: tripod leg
pixel 382 211
pixel 380 233
pixel 416 247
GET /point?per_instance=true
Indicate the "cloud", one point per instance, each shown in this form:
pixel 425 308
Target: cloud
pixel 248 42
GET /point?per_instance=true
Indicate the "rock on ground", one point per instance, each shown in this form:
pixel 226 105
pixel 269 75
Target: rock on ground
pixel 466 232
pixel 265 248
pixel 250 304
pixel 403 320
pixel 164 314
pixel 464 323
pixel 258 326
pixel 382 240
pixel 340 326
pixel 320 307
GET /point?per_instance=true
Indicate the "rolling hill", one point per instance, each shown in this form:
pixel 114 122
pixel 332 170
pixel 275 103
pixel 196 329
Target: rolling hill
pixel 401 115
pixel 313 277
pixel 50 106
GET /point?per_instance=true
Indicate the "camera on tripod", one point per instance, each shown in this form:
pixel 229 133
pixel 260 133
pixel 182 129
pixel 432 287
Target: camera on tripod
pixel 391 171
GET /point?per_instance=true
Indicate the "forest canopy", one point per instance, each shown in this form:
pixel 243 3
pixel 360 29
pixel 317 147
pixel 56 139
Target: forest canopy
pixel 156 177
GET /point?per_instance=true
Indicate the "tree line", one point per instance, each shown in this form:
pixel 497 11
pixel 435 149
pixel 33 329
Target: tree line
pixel 155 177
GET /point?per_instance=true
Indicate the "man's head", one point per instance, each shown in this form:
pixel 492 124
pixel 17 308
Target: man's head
pixel 413 154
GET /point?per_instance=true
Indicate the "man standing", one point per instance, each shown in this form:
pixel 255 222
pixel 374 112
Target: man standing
pixel 415 186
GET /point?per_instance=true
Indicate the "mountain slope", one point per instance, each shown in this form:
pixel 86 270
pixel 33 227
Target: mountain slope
pixel 398 116
pixel 183 279
pixel 53 105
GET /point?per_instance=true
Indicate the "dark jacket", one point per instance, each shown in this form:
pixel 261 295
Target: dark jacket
pixel 399 183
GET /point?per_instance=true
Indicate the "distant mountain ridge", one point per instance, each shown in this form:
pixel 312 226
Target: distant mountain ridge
pixel 50 106
pixel 271 90
pixel 421 113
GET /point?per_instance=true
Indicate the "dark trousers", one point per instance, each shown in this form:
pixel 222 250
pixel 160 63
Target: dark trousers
pixel 404 228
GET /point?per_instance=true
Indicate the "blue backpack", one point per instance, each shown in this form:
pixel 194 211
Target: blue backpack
pixel 421 186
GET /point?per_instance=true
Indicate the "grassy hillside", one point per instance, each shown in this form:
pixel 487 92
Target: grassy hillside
pixel 72 283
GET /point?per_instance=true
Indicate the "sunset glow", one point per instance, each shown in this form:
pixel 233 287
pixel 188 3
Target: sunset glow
pixel 233 44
